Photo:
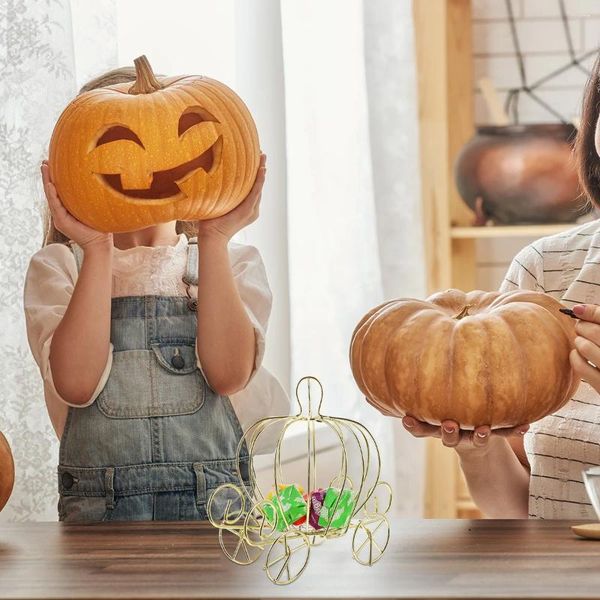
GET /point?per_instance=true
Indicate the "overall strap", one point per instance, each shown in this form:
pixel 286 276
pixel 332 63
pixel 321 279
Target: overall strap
pixel 191 272
pixel 191 269
pixel 78 253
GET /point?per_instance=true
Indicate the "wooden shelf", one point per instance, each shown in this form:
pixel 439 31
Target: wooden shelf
pixel 502 231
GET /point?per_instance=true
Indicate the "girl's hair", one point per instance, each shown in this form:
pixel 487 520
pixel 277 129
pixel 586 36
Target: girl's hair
pixel 120 75
pixel 588 161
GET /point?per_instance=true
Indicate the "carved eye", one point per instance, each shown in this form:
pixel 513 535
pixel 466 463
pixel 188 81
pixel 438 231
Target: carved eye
pixel 192 116
pixel 116 133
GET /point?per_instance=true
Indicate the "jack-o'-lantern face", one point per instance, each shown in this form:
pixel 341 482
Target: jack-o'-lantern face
pixel 126 157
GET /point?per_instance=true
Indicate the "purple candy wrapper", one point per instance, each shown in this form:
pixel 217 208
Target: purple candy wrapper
pixel 316 502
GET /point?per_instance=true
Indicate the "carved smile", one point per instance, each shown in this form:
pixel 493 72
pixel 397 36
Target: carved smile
pixel 164 183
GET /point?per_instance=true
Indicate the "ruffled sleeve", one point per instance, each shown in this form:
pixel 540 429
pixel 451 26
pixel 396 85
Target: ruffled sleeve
pixel 251 279
pixel 49 285
pixel 263 396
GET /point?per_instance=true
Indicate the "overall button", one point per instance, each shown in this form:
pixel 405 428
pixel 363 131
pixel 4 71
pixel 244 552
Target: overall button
pixel 67 480
pixel 177 360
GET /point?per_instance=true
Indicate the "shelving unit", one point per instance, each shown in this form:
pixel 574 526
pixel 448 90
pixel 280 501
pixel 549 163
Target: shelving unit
pixel 508 231
pixel 445 81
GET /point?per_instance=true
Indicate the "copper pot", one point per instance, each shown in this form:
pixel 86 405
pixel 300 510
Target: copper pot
pixel 522 174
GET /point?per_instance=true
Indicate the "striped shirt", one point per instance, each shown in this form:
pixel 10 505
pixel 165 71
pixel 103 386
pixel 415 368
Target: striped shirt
pixel 560 446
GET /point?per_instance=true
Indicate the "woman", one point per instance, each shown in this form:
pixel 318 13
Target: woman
pixel 537 471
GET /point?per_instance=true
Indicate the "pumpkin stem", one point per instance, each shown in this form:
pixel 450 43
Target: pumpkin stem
pixel 463 313
pixel 145 82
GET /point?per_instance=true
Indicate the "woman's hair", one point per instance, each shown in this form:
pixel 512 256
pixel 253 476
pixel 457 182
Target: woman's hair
pixel 588 161
pixel 120 75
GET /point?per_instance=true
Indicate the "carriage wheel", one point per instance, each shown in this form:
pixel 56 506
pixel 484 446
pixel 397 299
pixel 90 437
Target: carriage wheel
pixel 236 547
pixel 287 557
pixel 226 506
pixel 370 539
pixel 380 501
pixel 258 530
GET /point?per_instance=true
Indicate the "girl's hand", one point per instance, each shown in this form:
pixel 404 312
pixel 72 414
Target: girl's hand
pixel 247 212
pixel 461 439
pixel 65 222
pixel 585 358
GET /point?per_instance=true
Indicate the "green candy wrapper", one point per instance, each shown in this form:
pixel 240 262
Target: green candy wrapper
pixel 289 505
pixel 343 511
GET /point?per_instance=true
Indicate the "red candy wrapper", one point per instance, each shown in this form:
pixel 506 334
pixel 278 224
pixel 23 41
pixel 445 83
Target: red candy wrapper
pixel 316 502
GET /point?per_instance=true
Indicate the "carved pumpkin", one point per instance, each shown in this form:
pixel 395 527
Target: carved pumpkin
pixel 7 472
pixel 129 156
pixel 478 358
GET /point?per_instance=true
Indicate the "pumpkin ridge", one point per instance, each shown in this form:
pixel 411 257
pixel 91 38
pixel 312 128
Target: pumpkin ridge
pixel 244 125
pixel 394 345
pixel 174 95
pixel 532 399
pixel 449 390
pixel 371 326
pixel 523 375
pixel 489 391
pixel 552 401
pixel 75 210
pixel 439 342
pixel 214 94
pixel 356 347
pixel 357 343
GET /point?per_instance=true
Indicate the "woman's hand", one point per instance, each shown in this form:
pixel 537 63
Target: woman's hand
pixel 461 439
pixel 585 358
pixel 493 462
pixel 241 216
pixel 65 222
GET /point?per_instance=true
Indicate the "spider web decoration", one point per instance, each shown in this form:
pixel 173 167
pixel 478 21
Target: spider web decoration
pixel 511 106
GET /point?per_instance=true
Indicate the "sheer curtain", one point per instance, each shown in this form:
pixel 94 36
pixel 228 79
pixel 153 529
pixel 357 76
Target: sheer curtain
pixel 49 47
pixel 332 87
pixel 354 234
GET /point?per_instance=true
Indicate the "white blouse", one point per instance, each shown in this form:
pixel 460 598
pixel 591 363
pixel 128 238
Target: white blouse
pixel 560 446
pixel 141 271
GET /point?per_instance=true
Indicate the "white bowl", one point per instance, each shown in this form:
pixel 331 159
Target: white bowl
pixel 591 478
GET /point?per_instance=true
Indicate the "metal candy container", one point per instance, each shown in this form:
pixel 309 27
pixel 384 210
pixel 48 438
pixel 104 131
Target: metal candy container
pixel 287 519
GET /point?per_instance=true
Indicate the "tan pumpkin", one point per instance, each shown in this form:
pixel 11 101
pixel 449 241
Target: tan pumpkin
pixel 7 472
pixel 129 156
pixel 477 358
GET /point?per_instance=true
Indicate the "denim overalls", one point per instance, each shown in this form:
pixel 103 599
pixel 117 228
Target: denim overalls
pixel 157 440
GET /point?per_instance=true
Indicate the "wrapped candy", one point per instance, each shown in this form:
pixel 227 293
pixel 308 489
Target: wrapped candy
pixel 302 519
pixel 343 511
pixel 316 504
pixel 282 487
pixel 290 506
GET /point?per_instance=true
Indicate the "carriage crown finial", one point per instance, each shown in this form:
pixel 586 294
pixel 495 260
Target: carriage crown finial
pixel 309 395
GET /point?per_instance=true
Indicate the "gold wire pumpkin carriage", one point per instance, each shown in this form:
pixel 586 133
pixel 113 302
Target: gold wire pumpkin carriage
pixel 288 523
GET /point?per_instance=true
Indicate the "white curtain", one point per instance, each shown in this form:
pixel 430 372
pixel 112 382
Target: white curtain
pixel 354 229
pixel 48 50
pixel 394 134
pixel 331 84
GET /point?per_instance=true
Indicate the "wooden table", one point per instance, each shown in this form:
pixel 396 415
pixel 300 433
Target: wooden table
pixel 425 559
